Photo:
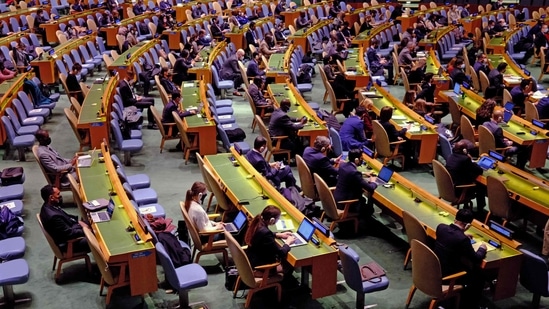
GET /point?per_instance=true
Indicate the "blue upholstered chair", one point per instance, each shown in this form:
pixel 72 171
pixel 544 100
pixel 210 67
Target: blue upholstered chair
pixel 141 196
pixel 222 85
pixel 12 248
pixel 16 206
pixel 20 129
pixel 29 107
pixel 336 142
pixel 53 96
pixel 183 278
pixel 127 146
pixel 19 142
pixel 445 147
pixel 353 278
pixel 534 275
pixel 13 272
pixel 134 134
pixel 24 117
pixel 137 181
pixel 156 210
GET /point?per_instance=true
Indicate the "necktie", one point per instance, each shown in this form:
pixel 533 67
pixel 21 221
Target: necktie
pixel 131 89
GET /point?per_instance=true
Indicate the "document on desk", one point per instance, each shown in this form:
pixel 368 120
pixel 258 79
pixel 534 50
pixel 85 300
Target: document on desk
pixel 284 225
pixel 399 117
pixel 488 246
pixel 188 85
pixel 539 95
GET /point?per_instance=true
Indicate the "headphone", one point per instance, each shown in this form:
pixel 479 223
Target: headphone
pixel 322 149
pixel 465 150
pixel 199 195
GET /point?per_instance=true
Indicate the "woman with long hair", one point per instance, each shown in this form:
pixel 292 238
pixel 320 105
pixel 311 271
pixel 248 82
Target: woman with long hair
pixel 409 98
pixel 262 247
pixel 484 112
pixel 197 214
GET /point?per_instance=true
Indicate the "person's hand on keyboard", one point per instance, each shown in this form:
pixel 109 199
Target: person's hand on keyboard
pixel 290 240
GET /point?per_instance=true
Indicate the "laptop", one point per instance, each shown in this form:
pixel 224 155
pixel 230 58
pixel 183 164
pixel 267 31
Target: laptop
pixel 509 106
pixel 105 215
pixel 369 152
pixel 506 117
pixel 486 163
pixel 526 72
pixel 384 176
pixel 304 233
pixel 237 224
pixel 496 155
pixel 457 89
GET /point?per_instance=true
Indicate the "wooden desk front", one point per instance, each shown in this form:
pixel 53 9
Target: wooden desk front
pixel 243 183
pixel 356 68
pixel 118 245
pixel 8 91
pixel 193 94
pixel 432 211
pixel 52 26
pixel 278 67
pixel 96 110
pixel 112 31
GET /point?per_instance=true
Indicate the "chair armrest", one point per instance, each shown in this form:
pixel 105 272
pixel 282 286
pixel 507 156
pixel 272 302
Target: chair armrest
pixel 213 216
pixel 70 252
pixel 453 278
pixel 267 266
pixel 170 126
pixel 211 235
pixel 332 189
pixel 471 185
pixel 347 201
pixel 266 269
pixel 397 142
pixel 347 206
pixel 343 100
pixel 279 137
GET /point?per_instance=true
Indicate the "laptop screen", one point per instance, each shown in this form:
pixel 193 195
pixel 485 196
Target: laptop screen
pixel 538 123
pixel 385 174
pixel 457 88
pixel 486 163
pixel 526 72
pixel 321 227
pixel 240 220
pixel 507 116
pixel 110 207
pixel 501 230
pixel 369 152
pixel 496 155
pixel 509 106
pixel 306 229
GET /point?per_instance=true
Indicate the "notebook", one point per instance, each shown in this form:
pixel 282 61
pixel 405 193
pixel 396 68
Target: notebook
pixel 105 215
pixel 237 224
pixel 384 176
pixel 486 163
pixel 304 233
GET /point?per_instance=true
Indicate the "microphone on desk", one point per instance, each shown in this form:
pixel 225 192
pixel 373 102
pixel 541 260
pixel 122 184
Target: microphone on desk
pixel 262 194
pixel 492 234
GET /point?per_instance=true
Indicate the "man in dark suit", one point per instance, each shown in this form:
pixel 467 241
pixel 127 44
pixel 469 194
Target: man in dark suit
pixel 352 131
pixel 61 226
pixel 174 105
pixel 129 98
pixel 253 67
pixel 231 71
pixel 139 8
pixel 251 36
pixel 282 125
pixel 318 162
pixel 166 82
pixel 350 185
pixel 274 172
pixel 458 74
pixel 455 252
pixel 463 171
pixel 428 88
pixel 257 96
pixel 502 142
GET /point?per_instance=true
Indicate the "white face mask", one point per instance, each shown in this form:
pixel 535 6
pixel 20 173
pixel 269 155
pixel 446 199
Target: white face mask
pixel 462 66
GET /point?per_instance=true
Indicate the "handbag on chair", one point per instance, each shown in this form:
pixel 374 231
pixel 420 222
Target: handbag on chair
pixel 372 272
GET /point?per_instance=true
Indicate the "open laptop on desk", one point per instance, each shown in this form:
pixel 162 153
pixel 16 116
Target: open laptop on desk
pixel 105 215
pixel 237 224
pixel 87 160
pixel 384 176
pixel 486 163
pixel 304 233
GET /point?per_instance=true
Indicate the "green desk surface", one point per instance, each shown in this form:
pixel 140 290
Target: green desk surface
pixel 399 114
pixel 353 61
pixel 246 188
pixel 471 105
pixel 435 35
pixel 123 61
pixel 71 44
pixel 281 93
pixel 365 36
pixel 431 215
pixel 96 184
pixel 127 21
pixel 522 187
pixel 500 40
pixel 28 11
pixel 304 32
pixel 190 99
pixel 92 104
pixel 496 59
pixel 432 65
pixel 276 63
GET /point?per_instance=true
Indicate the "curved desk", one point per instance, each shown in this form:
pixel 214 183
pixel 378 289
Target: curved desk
pixel 300 36
pixel 126 59
pixel 118 245
pixel 8 91
pixel 112 31
pixel 52 26
pixel 244 185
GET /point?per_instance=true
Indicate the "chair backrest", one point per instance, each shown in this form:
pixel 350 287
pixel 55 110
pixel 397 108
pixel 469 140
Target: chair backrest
pixel 466 128
pixel 337 146
pixel 382 140
pixel 506 96
pixel 167 264
pixel 56 251
pixel 474 78
pixel 351 270
pixel 190 225
pixel 158 120
pixel 454 111
pixel 115 127
pixel 244 74
pixel 99 257
pixel 484 81
pixel 498 197
pixel 14 121
pixel 77 196
pixel 224 137
pixel 203 172
pixel 263 130
pixel 426 272
pixel 241 261
pixel 326 197
pixel 445 146
pixel 306 178
pixel 531 111
pixel 182 130
pixel 10 132
pixel 73 121
pixel 532 273
pixel 414 228
pixel 218 192
pixel 445 185
pixel 486 140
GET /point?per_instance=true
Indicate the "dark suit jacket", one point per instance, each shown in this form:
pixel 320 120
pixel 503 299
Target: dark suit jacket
pixel 126 93
pixel 168 85
pixel 452 247
pixel 392 132
pixel 352 133
pixel 427 92
pixel 250 39
pixel 496 79
pixel 462 169
pixel 61 226
pixel 350 183
pixel 497 131
pixel 253 69
pixel 263 248
pixel 282 125
pixel 458 76
pixel 320 164
pixel 256 95
pixel 260 164
pixel 229 68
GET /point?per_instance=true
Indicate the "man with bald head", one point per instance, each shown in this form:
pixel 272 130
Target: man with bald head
pixel 502 142
pixel 407 54
pixel 318 162
pixel 231 71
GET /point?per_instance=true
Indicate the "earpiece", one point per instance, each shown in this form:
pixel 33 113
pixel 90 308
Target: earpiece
pixel 272 221
pixel 200 195
pixel 322 149
pixel 464 150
